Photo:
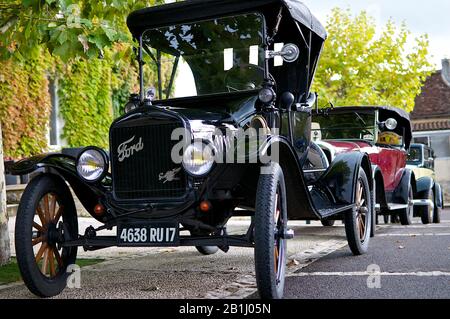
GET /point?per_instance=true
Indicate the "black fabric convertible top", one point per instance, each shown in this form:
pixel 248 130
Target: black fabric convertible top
pixel 194 10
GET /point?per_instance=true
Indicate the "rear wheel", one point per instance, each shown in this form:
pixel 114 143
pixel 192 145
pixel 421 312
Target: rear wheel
pixel 46 215
pixel 406 214
pixel 358 221
pixel 426 212
pixel 437 213
pixel 270 227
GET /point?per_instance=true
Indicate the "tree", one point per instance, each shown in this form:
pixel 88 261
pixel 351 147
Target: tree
pixel 67 28
pixel 5 252
pixel 359 68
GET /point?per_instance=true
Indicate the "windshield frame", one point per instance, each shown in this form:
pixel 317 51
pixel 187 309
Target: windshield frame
pixel 375 127
pixel 141 61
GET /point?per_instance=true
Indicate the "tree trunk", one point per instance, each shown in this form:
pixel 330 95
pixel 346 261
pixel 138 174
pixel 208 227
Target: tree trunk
pixel 5 249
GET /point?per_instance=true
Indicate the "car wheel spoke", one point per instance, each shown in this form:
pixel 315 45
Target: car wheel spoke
pixel 44 266
pixel 58 214
pixel 38 227
pixel 41 251
pixel 37 240
pixel 58 258
pixel 52 262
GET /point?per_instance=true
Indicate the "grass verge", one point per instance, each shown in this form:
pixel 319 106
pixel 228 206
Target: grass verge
pixel 10 273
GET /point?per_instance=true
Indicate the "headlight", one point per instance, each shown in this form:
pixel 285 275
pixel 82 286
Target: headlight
pixel 92 164
pixel 198 159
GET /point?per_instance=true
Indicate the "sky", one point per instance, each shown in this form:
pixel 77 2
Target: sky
pixel 430 16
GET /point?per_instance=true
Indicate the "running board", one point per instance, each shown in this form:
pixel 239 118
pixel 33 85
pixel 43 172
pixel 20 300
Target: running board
pixel 424 202
pixel 416 202
pixel 397 206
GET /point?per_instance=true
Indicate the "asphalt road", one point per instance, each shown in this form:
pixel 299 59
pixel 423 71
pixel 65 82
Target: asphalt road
pixel 413 262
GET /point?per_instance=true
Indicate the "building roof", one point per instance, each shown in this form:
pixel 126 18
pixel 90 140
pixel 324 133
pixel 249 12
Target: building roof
pixel 432 110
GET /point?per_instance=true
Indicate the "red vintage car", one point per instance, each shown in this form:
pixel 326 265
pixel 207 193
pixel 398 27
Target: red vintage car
pixel 384 133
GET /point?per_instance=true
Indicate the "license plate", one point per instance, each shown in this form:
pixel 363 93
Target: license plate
pixel 153 234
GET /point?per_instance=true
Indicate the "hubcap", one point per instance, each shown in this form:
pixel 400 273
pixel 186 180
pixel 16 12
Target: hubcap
pixel 45 235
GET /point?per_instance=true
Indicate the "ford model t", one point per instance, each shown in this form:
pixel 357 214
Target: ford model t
pixel 227 134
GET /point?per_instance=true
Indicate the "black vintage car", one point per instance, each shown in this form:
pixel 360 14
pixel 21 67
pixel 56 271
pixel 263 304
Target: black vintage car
pixel 237 67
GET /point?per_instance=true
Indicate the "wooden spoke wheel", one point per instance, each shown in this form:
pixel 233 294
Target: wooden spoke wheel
pixel 45 218
pixel 46 235
pixel 270 226
pixel 358 221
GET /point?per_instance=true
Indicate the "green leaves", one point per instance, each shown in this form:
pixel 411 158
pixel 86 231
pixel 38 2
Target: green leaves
pixel 67 28
pixel 360 68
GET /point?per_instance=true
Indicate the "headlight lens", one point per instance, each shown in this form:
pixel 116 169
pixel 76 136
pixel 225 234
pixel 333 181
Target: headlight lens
pixel 92 164
pixel 198 159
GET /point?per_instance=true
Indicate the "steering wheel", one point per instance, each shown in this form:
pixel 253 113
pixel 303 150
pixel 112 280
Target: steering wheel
pixel 240 72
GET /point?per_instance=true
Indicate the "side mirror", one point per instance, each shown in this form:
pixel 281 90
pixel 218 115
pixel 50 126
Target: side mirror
pixel 287 100
pixel 290 53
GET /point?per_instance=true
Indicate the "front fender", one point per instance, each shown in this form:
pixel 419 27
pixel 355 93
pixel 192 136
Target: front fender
pixel 401 193
pixel 424 184
pixel 341 177
pixel 65 166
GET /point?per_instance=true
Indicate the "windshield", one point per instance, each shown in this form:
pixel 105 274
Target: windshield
pixel 415 156
pixel 345 126
pixel 202 58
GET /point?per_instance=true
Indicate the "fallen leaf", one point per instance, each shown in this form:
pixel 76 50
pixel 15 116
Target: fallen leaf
pixel 293 263
pixel 152 288
pixel 168 250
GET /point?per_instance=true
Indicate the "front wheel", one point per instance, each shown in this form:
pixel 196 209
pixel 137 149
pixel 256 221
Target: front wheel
pixel 46 215
pixel 270 227
pixel 358 221
pixel 406 214
pixel 426 212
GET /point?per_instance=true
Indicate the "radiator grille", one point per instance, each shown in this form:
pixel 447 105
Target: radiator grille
pixel 137 177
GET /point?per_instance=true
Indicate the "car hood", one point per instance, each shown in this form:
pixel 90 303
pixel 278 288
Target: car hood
pixel 347 146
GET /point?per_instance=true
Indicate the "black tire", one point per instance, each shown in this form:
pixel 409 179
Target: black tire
pixel 328 222
pixel 358 221
pixel 437 214
pixel 406 214
pixel 270 249
pixel 386 219
pixel 51 192
pixel 207 250
pixel 373 229
pixel 426 212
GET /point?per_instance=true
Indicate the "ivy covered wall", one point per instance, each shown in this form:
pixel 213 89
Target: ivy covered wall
pixel 91 94
pixel 86 103
pixel 25 104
